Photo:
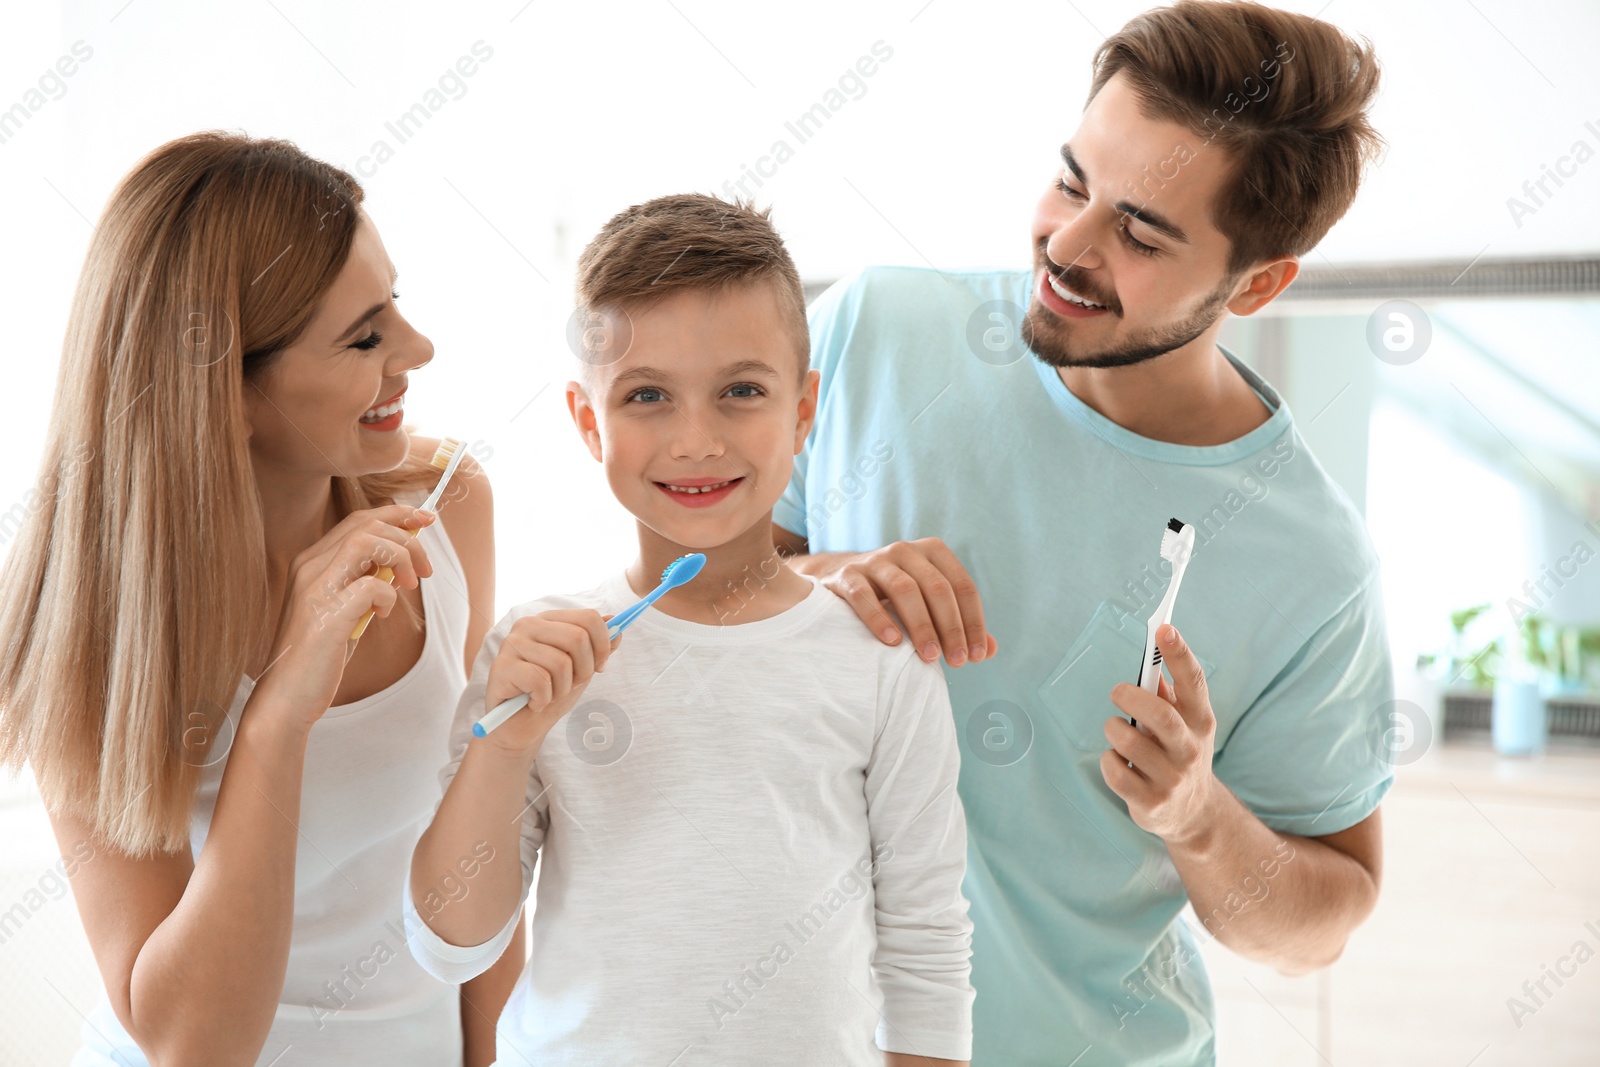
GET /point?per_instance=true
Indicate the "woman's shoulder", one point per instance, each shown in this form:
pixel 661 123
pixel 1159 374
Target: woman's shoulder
pixel 467 506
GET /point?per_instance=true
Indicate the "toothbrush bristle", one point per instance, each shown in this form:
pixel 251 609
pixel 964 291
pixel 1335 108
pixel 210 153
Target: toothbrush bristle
pixel 1172 540
pixel 442 455
pixel 683 569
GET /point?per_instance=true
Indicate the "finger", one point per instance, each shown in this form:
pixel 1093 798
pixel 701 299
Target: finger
pixel 581 633
pixel 854 587
pixel 421 566
pixel 969 606
pixel 1125 781
pixel 362 554
pixel 345 606
pixel 1141 750
pixel 1157 716
pixel 600 643
pixel 904 594
pixel 1188 677
pixel 936 595
pixel 512 676
pixel 555 661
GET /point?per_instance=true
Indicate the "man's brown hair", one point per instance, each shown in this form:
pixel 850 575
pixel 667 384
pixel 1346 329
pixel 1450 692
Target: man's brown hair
pixel 690 241
pixel 1284 95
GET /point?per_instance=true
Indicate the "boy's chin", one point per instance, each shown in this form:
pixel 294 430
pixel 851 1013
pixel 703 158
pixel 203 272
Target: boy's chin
pixel 703 534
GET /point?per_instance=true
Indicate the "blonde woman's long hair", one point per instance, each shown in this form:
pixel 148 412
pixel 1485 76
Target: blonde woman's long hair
pixel 134 597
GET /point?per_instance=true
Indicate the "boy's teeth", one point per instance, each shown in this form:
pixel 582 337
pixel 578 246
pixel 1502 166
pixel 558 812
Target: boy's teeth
pixel 1067 294
pixel 697 488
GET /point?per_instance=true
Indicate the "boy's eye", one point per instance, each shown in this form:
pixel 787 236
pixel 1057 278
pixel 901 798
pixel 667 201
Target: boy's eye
pixel 645 392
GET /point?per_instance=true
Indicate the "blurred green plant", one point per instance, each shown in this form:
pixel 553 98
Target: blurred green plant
pixel 1557 655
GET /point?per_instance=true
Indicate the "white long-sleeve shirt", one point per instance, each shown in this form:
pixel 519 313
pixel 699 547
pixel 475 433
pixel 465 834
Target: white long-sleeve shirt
pixel 752 845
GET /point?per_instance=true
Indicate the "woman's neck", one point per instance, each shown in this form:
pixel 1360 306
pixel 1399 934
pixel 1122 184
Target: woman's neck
pixel 296 510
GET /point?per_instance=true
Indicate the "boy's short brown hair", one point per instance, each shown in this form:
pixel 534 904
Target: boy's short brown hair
pixel 1284 95
pixel 690 241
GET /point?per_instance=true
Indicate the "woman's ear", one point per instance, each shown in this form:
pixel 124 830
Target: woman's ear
pixel 584 418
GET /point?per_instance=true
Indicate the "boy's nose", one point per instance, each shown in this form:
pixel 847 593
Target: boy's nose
pixel 694 438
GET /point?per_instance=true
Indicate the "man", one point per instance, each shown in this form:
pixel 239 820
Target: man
pixel 1219 143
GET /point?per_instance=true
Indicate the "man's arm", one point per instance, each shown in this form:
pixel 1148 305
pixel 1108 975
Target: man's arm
pixel 1282 899
pixel 932 593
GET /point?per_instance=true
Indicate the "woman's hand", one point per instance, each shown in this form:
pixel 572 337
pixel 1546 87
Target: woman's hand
pixel 550 656
pixel 330 586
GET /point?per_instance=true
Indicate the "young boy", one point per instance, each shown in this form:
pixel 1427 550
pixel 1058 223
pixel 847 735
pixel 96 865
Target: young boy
pixel 752 842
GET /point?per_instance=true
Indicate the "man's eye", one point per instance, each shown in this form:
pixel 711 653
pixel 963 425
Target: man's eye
pixel 1061 183
pixel 1137 245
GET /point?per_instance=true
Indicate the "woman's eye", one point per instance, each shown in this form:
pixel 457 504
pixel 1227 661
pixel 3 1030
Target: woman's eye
pixel 368 343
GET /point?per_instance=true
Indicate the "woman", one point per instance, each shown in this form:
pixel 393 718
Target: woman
pixel 225 472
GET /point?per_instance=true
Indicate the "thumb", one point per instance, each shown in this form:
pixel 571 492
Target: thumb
pixel 1188 678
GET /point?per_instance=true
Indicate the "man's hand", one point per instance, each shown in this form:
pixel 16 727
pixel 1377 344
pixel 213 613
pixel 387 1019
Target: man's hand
pixel 1169 788
pixel 922 580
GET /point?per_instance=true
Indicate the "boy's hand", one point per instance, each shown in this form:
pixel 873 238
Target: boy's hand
pixel 550 656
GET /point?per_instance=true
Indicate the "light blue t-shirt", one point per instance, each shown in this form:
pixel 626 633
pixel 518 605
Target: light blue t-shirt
pixel 935 421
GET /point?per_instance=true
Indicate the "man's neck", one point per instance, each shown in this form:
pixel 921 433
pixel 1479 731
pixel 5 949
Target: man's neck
pixel 1189 396
pixel 744 580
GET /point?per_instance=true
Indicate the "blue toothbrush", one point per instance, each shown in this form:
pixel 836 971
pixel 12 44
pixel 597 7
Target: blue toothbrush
pixel 679 572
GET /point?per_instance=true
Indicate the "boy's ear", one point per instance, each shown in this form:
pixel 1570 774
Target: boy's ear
pixel 807 410
pixel 583 418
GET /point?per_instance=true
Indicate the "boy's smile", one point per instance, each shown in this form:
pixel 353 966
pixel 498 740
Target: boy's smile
pixel 698 492
pixel 698 425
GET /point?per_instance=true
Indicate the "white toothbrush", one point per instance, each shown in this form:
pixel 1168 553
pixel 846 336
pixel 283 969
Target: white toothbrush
pixel 1177 545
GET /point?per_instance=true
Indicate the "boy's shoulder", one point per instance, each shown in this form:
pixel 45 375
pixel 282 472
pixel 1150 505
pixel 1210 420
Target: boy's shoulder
pixel 838 622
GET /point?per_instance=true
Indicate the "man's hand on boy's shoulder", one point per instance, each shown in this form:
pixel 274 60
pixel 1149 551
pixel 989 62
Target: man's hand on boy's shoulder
pixel 922 580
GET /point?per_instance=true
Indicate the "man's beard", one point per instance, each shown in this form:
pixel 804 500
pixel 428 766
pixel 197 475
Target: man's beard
pixel 1042 330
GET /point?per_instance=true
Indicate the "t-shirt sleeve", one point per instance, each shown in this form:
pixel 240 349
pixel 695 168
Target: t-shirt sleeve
pixel 1308 756
pixel 828 319
pixel 458 963
pixel 919 847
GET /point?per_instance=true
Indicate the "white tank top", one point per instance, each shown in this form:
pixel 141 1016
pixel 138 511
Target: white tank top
pixel 352 992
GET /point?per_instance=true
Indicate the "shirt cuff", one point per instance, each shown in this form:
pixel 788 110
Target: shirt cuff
pixel 937 1025
pixel 451 963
